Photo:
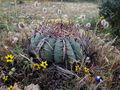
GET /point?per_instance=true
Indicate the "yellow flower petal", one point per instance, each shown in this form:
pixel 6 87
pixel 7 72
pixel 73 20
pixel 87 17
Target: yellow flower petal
pixel 36 66
pixel 102 17
pixel 10 87
pixel 9 58
pixel 77 68
pixel 44 64
pixel 86 70
pixel 5 78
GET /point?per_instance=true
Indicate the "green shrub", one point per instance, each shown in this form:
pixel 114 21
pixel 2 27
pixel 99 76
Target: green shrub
pixel 110 9
pixel 2 26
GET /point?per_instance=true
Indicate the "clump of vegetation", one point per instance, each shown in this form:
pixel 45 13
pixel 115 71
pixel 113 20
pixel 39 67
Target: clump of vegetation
pixel 59 43
pixel 109 9
pixel 95 57
pixel 60 53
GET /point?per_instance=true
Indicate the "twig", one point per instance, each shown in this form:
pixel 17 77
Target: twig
pixel 98 85
pixel 64 70
pixel 83 78
pixel 26 58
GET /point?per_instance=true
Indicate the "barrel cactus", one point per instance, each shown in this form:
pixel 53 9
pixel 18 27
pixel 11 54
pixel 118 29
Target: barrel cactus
pixel 59 44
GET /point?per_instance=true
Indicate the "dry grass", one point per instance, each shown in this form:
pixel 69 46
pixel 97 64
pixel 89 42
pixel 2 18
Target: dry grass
pixel 70 9
pixel 104 57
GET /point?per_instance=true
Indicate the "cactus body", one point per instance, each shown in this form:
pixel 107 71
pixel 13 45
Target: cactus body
pixel 57 50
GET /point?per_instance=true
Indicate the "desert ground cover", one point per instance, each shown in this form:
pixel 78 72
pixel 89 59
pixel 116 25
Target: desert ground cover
pixel 56 46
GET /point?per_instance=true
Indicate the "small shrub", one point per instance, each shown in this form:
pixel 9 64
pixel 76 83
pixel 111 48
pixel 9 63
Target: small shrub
pixel 110 9
pixel 2 26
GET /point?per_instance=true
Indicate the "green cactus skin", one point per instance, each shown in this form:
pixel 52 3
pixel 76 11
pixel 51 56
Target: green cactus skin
pixel 77 48
pixel 55 49
pixel 47 51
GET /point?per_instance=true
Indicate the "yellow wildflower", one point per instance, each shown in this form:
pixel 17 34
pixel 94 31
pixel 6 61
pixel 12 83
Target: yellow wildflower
pixel 102 17
pixel 36 66
pixel 86 70
pixel 9 58
pixel 10 88
pixel 77 68
pixel 5 78
pixel 44 64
